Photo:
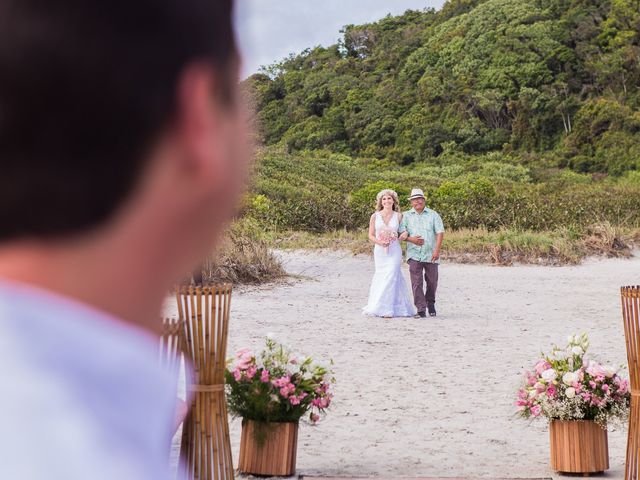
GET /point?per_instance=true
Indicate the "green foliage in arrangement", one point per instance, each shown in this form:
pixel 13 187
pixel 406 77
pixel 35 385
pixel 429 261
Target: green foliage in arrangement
pixel 559 78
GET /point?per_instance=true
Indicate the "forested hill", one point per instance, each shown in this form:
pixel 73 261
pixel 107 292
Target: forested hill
pixel 554 81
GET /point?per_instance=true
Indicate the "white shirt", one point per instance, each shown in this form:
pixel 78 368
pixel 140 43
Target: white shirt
pixel 82 395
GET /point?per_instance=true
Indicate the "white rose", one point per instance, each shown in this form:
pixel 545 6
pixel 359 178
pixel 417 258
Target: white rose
pixel 560 355
pixel 577 350
pixel 549 375
pixel 570 392
pixel 570 378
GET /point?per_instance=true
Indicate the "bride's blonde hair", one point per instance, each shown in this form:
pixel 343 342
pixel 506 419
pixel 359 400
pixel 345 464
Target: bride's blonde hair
pixel 392 194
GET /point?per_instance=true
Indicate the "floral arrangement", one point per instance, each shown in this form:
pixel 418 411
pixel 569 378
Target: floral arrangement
pixel 568 385
pixel 277 386
pixel 387 236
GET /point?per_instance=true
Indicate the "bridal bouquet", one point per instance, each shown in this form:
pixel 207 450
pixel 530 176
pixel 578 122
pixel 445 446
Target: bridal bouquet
pixel 387 236
pixel 567 385
pixel 277 386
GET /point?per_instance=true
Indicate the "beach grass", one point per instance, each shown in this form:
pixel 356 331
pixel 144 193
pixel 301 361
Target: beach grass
pixel 502 247
pixel 247 254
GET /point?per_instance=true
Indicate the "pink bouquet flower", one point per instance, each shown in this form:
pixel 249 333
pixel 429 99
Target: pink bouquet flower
pixel 387 236
pixel 567 385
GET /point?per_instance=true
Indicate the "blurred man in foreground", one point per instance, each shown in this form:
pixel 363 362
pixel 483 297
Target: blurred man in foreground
pixel 122 154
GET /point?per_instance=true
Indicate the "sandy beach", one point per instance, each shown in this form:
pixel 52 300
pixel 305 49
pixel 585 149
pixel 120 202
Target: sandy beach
pixel 433 397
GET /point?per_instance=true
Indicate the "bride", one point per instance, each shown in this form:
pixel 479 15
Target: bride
pixel 388 295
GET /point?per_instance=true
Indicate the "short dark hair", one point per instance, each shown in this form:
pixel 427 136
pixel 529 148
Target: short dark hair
pixel 86 89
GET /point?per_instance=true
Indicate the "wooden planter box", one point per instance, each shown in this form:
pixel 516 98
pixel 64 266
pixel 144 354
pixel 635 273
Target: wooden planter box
pixel 578 447
pixel 268 449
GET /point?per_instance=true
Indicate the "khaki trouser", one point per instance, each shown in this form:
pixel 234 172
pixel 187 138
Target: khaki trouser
pixel 421 297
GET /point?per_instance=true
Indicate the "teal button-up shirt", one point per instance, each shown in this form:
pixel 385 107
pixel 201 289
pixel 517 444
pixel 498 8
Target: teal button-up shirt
pixel 427 225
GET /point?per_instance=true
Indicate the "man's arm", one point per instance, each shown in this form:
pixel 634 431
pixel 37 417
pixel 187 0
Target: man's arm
pixel 402 229
pixel 438 226
pixel 436 251
pixel 404 233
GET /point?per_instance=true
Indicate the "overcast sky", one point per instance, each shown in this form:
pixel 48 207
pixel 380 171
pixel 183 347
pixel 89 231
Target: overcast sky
pixel 269 30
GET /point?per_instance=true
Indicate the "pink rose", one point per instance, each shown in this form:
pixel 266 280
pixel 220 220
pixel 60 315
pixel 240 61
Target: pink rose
pixel 551 391
pixel 237 374
pixel 245 362
pixel 264 376
pixel 284 391
pixel 541 366
pixel 315 418
pixel 623 387
pixel 251 371
pixel 282 381
pixel 536 410
pixel 596 370
pixel 243 353
pixel 605 388
pixel 294 400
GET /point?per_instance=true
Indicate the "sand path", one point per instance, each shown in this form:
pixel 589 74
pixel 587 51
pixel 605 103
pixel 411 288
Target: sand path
pixel 433 397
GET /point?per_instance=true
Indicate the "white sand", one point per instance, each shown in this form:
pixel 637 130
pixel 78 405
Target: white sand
pixel 434 397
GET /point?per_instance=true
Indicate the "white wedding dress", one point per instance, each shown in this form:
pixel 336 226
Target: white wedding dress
pixel 388 295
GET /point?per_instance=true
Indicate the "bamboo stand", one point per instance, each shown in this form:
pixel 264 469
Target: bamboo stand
pixel 631 317
pixel 578 446
pixel 171 345
pixel 171 348
pixel 268 449
pixel 206 448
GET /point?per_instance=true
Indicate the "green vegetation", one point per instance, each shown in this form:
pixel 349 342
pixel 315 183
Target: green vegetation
pixel 519 118
pixel 322 191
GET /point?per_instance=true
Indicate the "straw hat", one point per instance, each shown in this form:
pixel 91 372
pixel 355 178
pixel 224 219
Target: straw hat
pixel 416 193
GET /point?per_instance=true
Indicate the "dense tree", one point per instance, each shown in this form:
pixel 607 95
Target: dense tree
pixel 477 76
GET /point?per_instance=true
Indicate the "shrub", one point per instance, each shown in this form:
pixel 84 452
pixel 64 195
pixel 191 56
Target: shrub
pixel 243 258
pixel 320 192
pixel 465 203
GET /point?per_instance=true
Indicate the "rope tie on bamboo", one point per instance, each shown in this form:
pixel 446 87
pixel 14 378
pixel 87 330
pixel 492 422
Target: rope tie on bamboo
pixel 205 388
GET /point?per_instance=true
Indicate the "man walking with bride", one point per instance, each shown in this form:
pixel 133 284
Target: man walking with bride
pixel 423 230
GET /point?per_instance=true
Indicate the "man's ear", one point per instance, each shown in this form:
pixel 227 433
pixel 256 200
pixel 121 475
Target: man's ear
pixel 197 118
